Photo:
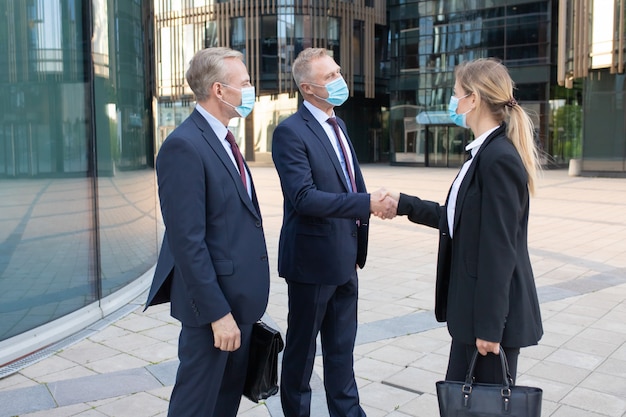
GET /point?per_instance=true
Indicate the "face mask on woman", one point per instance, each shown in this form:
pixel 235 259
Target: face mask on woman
pixel 337 91
pixel 248 97
pixel 457 119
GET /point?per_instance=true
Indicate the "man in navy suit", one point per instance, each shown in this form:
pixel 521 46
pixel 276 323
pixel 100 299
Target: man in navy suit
pixel 213 264
pixel 323 238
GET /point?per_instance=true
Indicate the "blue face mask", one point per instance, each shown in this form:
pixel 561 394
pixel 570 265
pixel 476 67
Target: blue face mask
pixel 457 119
pixel 248 97
pixel 337 92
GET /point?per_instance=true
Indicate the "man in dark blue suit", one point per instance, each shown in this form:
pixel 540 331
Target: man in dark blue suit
pixel 323 238
pixel 213 264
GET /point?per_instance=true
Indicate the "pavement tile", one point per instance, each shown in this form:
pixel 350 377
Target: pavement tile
pixel 165 372
pixel 87 351
pixel 138 323
pixel 156 353
pixel 576 359
pixel 375 370
pixel 591 346
pixel 395 355
pixel 15 381
pixel 606 383
pixel 140 404
pixel 384 397
pixel 165 333
pixel 415 380
pixel 25 400
pixel 70 410
pixel 556 372
pixel 109 333
pixel 119 362
pixel 48 366
pixel 424 405
pixel 567 411
pixel 97 387
pixel 129 341
pixel 77 371
pixel 594 401
pixel 432 362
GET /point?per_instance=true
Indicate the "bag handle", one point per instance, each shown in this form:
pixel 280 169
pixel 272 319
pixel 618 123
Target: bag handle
pixel 507 381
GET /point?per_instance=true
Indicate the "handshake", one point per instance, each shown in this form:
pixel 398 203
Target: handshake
pixel 384 203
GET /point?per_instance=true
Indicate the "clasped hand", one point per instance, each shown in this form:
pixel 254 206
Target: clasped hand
pixel 384 203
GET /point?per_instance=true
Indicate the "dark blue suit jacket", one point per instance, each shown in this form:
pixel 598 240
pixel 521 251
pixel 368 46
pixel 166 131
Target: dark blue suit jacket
pixel 320 241
pixel 485 283
pixel 213 259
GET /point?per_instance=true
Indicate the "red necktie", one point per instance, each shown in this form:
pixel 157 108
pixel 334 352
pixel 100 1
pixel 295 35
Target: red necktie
pixel 333 123
pixel 233 146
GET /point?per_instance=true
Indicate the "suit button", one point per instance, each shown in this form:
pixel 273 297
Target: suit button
pixel 258 224
pixel 264 257
pixel 353 234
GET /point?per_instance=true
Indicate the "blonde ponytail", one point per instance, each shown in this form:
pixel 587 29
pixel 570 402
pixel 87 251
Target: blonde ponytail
pixel 521 131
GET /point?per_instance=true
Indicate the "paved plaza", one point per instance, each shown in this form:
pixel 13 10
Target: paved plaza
pixel 124 365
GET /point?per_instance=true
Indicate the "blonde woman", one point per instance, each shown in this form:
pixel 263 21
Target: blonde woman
pixel 485 286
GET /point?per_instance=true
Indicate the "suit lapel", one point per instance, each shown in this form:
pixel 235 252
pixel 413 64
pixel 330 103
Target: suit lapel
pixel 213 141
pixel 467 180
pixel 321 135
pixel 358 175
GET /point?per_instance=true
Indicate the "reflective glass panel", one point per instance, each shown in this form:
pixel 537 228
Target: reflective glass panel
pixel 47 253
pixel 125 149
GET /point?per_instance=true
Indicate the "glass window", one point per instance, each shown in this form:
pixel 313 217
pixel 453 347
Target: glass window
pixel 269 46
pixel 334 32
pixel 238 34
pixel 358 28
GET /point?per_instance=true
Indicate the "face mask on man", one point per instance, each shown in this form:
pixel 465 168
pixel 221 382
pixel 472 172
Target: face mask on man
pixel 248 97
pixel 457 119
pixel 337 92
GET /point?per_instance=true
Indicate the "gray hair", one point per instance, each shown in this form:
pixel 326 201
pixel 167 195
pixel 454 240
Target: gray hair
pixel 301 68
pixel 207 67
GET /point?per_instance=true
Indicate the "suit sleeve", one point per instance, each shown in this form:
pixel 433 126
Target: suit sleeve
pixel 294 165
pixel 420 211
pixel 182 192
pixel 504 196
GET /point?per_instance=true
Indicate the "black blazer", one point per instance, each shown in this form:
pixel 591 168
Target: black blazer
pixel 320 242
pixel 485 286
pixel 213 259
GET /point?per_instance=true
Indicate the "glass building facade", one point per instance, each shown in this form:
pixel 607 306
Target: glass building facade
pixel 270 34
pixel 78 208
pixel 592 54
pixel 430 37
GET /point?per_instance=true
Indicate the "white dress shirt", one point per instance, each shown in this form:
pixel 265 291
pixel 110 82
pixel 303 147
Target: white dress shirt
pixel 220 131
pixel 473 147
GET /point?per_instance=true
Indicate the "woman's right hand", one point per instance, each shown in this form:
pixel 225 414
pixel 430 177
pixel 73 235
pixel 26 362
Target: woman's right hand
pixel 485 347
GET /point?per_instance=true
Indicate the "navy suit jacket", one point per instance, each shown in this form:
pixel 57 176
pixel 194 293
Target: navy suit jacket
pixel 485 285
pixel 214 258
pixel 320 241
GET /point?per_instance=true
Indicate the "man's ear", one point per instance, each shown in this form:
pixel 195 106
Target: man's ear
pixel 216 89
pixel 305 88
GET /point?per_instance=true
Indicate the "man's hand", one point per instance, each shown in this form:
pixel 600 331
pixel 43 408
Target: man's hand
pixel 485 347
pixel 226 333
pixel 383 205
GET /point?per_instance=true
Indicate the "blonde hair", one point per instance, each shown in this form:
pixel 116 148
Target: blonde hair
pixel 490 80
pixel 301 68
pixel 207 67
